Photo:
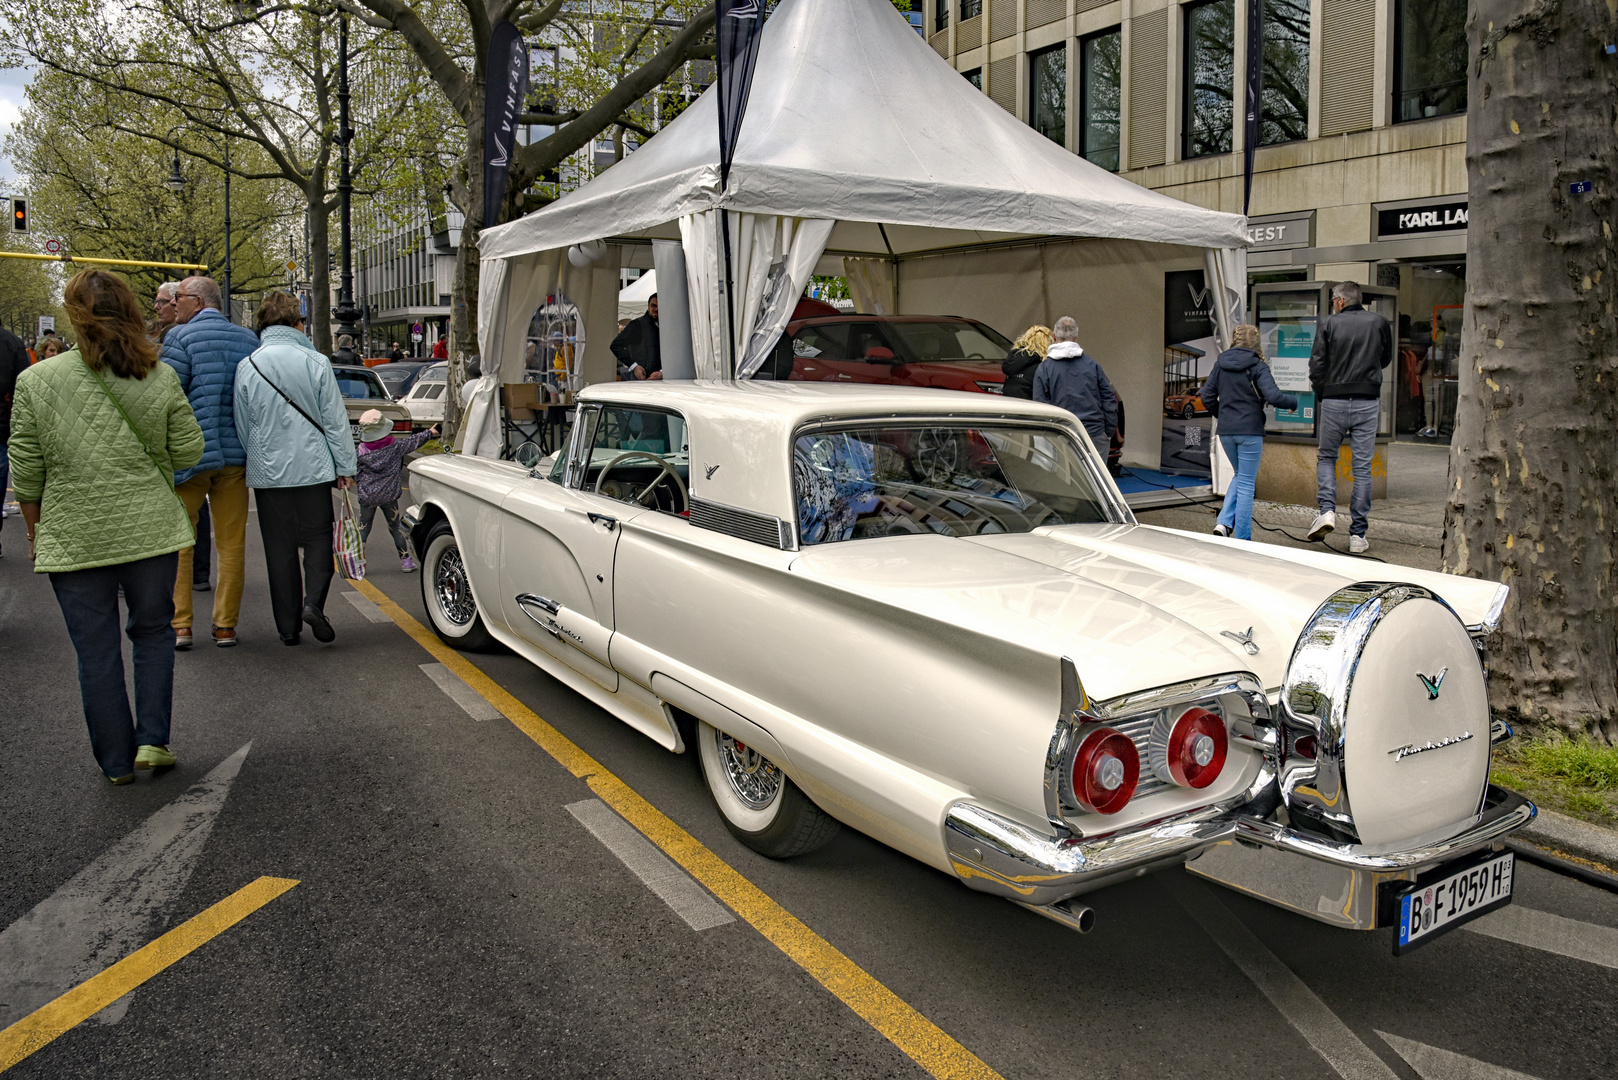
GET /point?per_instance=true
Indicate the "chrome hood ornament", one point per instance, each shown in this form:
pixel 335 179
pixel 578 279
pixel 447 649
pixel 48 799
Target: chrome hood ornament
pixel 1246 641
pixel 1432 683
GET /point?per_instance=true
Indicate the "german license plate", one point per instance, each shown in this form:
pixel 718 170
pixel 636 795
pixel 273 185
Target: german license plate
pixel 1452 897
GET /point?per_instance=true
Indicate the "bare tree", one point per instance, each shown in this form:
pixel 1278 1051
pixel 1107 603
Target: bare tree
pixel 1533 459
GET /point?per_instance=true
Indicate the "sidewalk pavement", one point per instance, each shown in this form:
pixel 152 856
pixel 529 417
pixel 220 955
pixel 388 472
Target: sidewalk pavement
pixel 1561 835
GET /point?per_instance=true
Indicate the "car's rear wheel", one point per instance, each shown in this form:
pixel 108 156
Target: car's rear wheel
pixel 446 593
pixel 760 806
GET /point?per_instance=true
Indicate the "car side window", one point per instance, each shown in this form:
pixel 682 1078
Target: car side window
pixel 828 342
pixel 632 453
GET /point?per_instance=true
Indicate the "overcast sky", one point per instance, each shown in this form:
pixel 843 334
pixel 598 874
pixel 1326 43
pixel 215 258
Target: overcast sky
pixel 12 81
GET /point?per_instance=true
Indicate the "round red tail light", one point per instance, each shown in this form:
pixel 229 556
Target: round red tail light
pixel 1106 768
pixel 1191 751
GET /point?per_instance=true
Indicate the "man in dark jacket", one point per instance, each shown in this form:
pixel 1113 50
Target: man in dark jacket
pixel 204 348
pixel 1073 380
pixel 1345 369
pixel 639 348
pixel 13 362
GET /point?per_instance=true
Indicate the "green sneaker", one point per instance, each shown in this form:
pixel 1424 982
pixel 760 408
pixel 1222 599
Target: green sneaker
pixel 119 780
pixel 153 757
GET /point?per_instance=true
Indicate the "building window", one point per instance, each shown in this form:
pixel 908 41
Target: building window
pixel 1430 68
pixel 1284 113
pixel 940 15
pixel 1047 85
pixel 1210 62
pixel 971 9
pixel 1100 77
pixel 975 77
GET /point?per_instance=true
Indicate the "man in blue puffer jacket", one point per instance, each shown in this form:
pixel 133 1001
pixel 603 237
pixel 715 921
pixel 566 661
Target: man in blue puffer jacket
pixel 204 348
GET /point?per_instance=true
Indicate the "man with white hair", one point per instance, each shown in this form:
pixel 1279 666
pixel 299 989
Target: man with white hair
pixel 1071 378
pixel 164 306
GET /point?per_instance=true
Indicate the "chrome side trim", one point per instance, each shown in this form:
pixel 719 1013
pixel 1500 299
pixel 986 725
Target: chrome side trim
pixel 528 601
pixel 1491 618
pixel 996 855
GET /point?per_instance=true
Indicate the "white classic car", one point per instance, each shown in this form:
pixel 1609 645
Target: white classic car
pixel 936 620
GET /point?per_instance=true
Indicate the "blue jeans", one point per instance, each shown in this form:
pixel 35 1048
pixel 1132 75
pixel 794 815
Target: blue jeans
pixel 89 602
pixel 1353 419
pixel 1244 452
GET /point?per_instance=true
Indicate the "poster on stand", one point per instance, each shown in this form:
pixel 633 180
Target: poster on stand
pixel 1189 351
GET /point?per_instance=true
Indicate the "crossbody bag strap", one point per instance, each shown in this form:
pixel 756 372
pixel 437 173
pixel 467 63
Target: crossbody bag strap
pixel 288 399
pixel 133 430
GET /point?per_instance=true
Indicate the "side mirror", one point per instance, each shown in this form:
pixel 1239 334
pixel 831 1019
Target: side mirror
pixel 878 354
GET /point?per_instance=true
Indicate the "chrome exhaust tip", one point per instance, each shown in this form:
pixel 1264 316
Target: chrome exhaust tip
pixel 1070 913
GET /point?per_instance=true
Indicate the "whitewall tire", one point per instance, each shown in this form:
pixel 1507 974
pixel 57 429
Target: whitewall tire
pixel 759 804
pixel 446 593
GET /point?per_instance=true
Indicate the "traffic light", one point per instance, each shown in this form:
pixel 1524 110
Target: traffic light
pixel 19 215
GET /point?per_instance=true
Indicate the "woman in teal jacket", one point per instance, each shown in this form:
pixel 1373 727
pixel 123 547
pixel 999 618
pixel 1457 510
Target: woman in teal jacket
pixel 291 419
pixel 97 434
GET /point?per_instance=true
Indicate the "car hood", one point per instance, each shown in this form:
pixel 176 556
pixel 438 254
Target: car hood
pixel 952 373
pixel 1134 607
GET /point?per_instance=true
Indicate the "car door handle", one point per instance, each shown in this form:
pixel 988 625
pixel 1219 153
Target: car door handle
pixel 550 607
pixel 602 519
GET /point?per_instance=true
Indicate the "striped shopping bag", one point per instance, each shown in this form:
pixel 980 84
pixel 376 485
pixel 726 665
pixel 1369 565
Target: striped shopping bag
pixel 348 550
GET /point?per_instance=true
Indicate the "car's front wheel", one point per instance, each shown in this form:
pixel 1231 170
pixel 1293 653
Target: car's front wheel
pixel 761 807
pixel 446 593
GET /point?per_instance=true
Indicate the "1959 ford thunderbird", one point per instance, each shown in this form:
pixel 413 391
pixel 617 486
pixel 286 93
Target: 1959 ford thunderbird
pixel 935 620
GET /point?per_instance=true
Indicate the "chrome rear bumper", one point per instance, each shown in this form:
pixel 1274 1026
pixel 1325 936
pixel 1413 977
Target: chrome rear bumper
pixel 994 854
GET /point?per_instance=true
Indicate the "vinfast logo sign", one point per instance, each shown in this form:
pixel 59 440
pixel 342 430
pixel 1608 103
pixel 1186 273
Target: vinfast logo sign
pixel 505 92
pixel 1421 220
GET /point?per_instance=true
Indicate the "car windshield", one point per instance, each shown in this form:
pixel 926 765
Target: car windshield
pixel 959 480
pixel 949 340
pixel 362 385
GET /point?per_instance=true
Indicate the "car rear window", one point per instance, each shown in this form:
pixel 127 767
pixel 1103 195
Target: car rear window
pixel 353 384
pixel 965 479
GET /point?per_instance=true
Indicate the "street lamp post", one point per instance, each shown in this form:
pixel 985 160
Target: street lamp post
pixel 176 183
pixel 346 313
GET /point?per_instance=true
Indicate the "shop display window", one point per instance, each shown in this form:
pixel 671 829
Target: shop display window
pixel 1209 78
pixel 1430 62
pixel 1288 319
pixel 1100 80
pixel 1047 86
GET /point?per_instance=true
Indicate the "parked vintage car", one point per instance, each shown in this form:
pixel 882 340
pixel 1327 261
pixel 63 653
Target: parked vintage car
pixel 944 351
pixel 425 398
pixel 362 391
pixel 932 617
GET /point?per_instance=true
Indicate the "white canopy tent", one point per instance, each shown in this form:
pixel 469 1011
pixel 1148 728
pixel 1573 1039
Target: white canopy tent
pixel 633 301
pixel 860 143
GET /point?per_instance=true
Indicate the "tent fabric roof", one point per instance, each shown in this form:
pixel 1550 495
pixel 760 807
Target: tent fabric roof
pixel 853 117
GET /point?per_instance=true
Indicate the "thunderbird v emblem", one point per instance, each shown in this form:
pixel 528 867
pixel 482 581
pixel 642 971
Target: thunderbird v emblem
pixel 1432 683
pixel 709 471
pixel 1245 639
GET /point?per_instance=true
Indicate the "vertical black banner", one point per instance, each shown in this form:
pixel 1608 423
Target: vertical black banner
pixel 1255 94
pixel 504 93
pixel 738 26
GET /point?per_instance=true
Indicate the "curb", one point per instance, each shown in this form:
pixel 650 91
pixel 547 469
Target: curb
pixel 1289 516
pixel 1570 837
pixel 1602 877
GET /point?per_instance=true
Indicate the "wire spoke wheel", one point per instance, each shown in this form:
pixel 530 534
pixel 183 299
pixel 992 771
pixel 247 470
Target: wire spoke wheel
pixel 454 596
pixel 753 777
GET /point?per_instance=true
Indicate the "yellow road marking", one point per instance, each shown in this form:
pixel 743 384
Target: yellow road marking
pixel 925 1042
pixel 45 1023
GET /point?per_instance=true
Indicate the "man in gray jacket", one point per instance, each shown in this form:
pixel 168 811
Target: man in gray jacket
pixel 1345 370
pixel 1068 377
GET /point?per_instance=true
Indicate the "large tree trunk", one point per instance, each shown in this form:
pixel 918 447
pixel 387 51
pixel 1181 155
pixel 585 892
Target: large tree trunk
pixel 320 272
pixel 1533 460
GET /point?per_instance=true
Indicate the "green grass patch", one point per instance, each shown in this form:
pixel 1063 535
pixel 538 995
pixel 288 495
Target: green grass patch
pixel 1574 776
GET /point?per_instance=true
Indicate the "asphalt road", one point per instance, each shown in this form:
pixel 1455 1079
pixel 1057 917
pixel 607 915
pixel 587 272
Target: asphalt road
pixel 453 918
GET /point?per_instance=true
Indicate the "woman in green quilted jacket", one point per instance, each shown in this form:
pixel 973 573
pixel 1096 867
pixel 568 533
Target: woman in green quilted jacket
pixel 96 436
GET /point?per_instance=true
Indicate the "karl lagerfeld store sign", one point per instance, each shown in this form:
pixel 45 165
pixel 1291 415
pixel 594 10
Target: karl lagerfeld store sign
pixel 1397 222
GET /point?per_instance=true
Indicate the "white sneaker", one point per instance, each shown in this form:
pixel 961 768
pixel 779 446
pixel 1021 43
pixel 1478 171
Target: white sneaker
pixel 1358 545
pixel 1221 530
pixel 1324 524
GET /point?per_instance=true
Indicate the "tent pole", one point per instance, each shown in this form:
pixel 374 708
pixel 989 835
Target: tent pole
pixel 730 304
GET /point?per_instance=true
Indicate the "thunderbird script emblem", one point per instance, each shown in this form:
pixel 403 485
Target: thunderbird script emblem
pixel 1432 683
pixel 1245 639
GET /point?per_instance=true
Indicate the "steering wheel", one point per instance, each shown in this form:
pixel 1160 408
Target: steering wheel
pixel 975 356
pixel 642 497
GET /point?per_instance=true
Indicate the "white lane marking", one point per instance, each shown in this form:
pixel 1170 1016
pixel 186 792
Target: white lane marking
pixel 476 706
pixel 689 900
pixel 113 906
pixel 1550 933
pixel 1349 1057
pixel 1431 1063
pixel 366 606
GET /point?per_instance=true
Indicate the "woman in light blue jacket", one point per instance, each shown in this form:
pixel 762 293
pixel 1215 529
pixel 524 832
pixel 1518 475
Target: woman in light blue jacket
pixel 291 419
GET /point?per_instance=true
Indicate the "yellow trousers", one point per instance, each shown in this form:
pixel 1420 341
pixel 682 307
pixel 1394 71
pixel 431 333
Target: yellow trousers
pixel 226 492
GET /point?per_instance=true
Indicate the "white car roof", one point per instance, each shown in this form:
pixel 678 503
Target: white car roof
pixel 740 432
